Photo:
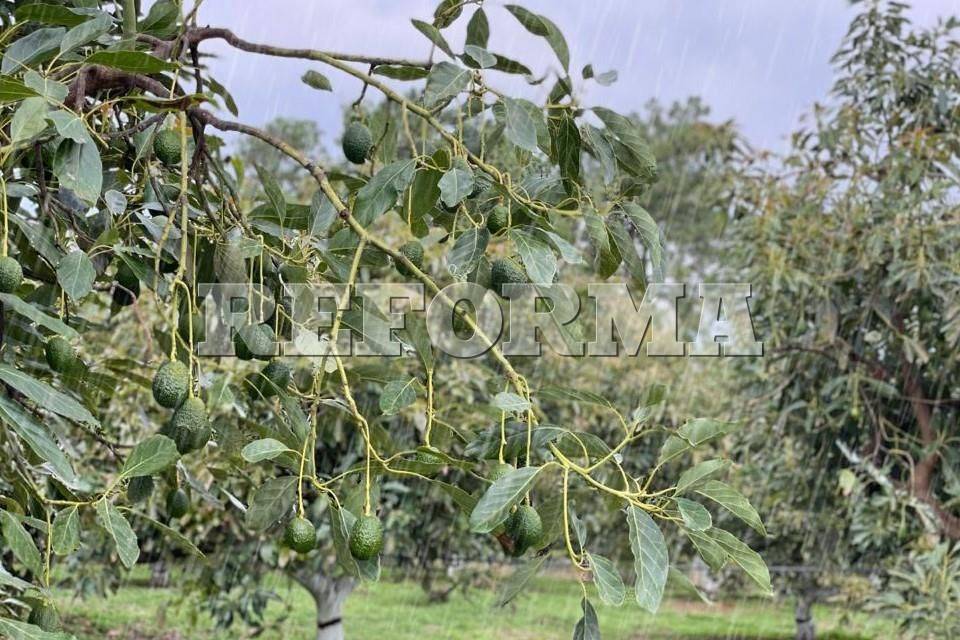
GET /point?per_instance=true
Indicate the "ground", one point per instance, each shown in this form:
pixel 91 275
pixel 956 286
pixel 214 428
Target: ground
pixel 398 610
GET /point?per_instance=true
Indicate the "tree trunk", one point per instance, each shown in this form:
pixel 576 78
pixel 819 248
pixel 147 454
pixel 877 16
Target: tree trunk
pixel 329 595
pixel 803 614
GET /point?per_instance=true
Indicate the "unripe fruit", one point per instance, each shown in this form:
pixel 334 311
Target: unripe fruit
pixel 11 274
pixel 178 503
pixel 525 528
pixel 357 141
pixel 45 616
pixel 166 145
pixel 366 538
pixel 412 251
pixel 171 384
pixel 254 341
pixel 61 355
pixel 300 535
pixel 505 271
pixel 499 470
pixel 498 219
pixel 189 426
pixel 274 378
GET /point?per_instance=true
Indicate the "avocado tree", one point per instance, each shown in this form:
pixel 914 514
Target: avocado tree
pixel 854 243
pixel 121 205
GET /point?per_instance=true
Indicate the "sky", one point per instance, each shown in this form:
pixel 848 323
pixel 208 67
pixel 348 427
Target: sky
pixel 762 63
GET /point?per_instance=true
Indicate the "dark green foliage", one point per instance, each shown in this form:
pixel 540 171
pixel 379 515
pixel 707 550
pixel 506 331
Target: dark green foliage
pixel 127 287
pixel 525 528
pixel 300 535
pixel 357 141
pixel 139 489
pixel 166 145
pixel 412 251
pixel 11 274
pixel 171 384
pixel 366 537
pixel 178 503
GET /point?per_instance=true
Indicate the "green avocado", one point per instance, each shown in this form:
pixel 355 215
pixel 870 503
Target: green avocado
pixel 45 616
pixel 274 378
pixel 183 326
pixel 189 426
pixel 254 341
pixel 525 528
pixel 366 538
pixel 171 384
pixel 357 141
pixel 505 271
pixel 498 219
pixel 178 503
pixel 412 251
pixel 61 355
pixel 300 535
pixel 11 274
pixel 166 145
pixel 499 470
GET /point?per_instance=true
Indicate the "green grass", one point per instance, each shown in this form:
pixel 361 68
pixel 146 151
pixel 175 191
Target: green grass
pixel 398 610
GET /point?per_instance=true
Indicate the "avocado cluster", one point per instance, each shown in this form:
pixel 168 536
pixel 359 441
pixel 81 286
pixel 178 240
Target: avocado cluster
pixel 366 538
pixel 189 426
pixel 357 142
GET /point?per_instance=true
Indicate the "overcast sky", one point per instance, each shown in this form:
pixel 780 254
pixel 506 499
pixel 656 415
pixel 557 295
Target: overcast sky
pixel 760 62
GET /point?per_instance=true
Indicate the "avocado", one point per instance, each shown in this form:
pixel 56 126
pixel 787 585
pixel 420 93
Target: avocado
pixel 178 503
pixel 525 528
pixel 11 274
pixel 254 341
pixel 366 538
pixel 505 271
pixel 166 145
pixel 498 219
pixel 300 535
pixel 499 470
pixel 189 426
pixel 61 355
pixel 357 141
pixel 412 251
pixel 171 384
pixel 45 616
pixel 274 378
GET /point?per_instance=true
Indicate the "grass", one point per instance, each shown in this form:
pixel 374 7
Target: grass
pixel 398 610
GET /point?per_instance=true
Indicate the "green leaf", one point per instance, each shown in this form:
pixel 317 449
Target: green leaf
pixel 445 81
pixel 537 256
pixel 513 585
pixel 470 247
pixel 447 12
pixel 16 630
pixel 692 434
pixel 604 79
pixel 520 126
pixel 79 169
pixel 170 533
pixel 632 152
pixel 13 90
pixel 76 274
pixel 27 310
pixel 510 402
pixel 132 61
pixel 29 120
pixel 316 80
pixel 479 57
pixel 649 234
pixel 575 395
pixel 565 149
pixel 20 543
pixel 650 558
pixel 710 551
pixel 9 580
pixel 86 32
pixel 478 29
pixel 273 192
pixel 33 47
pixel 264 449
pixel 607 578
pixel 494 507
pixel 601 149
pixel 119 530
pixel 434 36
pixel 745 557
pixel 380 194
pixel 49 14
pixel 71 126
pixel 733 501
pixel 456 183
pixel 588 627
pixel 541 26
pixel 506 65
pixel 43 395
pixel 66 531
pixel 397 395
pixel 38 438
pixel 697 474
pixel 681 582
pixel 401 72
pixel 271 502
pixel 154 454
pixel 341 545
pixel 695 515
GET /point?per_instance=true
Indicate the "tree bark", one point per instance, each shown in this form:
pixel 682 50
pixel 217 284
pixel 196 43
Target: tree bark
pixel 803 615
pixel 329 595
